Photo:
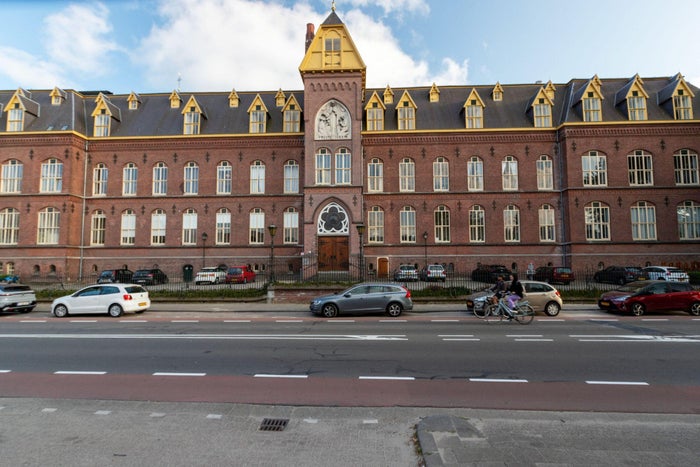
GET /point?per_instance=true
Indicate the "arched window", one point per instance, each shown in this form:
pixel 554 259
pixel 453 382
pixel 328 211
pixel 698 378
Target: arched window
pixel 477 224
pixel 442 224
pixel 375 225
pixel 407 218
pixel 511 223
pixel 597 219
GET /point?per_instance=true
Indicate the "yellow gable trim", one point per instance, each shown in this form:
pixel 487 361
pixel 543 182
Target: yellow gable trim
pixel 406 97
pixel 549 90
pixel 291 101
pixel 592 87
pixel 175 100
pixel 257 102
pixel 280 98
pixel 683 85
pixel 191 102
pixel 637 86
pixel 233 99
pixel 388 95
pixel 375 99
pixel 542 94
pixel 434 93
pixel 14 100
pixel 474 95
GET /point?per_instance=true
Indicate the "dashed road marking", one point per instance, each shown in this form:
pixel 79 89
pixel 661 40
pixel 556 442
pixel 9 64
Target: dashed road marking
pixel 165 373
pixel 620 383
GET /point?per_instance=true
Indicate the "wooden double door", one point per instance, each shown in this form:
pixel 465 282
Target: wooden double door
pixel 333 253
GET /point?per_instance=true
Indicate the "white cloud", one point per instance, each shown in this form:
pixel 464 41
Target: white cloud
pixel 78 38
pixel 251 45
pixel 29 71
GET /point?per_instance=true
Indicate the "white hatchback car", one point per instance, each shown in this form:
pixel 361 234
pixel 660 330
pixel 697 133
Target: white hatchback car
pixel 113 299
pixel 210 275
pixel 663 273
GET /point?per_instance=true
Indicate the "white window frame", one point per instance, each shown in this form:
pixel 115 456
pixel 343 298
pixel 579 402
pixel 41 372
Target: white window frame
pixel 160 179
pixel 375 176
pixel 323 167
pixel 685 166
pixel 223 227
pixel 51 176
pixel 640 170
pixel 643 220
pixel 128 228
pixel 11 176
pixel 343 167
pixel 49 226
pixel 158 227
pixel 547 227
pixel 375 225
pixel 191 179
pixel 511 224
pixel 594 169
pixel 441 174
pixel 477 224
pixel 291 177
pixel 407 175
pixel 98 228
pixel 475 174
pixel 407 224
pixel 100 175
pixel 130 175
pixel 9 226
pixel 257 178
pixel 291 226
pixel 509 173
pixel 545 173
pixel 597 222
pixel 256 227
pixel 189 227
pixel 441 218
pixel 688 215
pixel 224 178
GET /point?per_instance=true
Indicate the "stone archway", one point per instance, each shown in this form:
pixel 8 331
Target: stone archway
pixel 333 238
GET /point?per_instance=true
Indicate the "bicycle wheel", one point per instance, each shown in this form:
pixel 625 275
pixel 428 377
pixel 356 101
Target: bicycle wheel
pixel 525 314
pixel 483 312
pixel 491 313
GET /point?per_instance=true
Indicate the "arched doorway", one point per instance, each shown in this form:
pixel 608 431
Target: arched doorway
pixel 333 230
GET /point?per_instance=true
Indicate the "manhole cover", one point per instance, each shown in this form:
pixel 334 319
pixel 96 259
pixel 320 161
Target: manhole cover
pixel 274 424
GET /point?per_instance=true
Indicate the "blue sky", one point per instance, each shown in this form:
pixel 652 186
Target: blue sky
pixel 216 45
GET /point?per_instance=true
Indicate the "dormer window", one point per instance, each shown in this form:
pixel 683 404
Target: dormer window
pixel 57 96
pixel 102 116
pixel 291 116
pixel 134 100
pixel 15 118
pixel 682 107
pixel 233 99
pixel 474 111
pixel 102 122
pixel 175 100
pixel 637 106
pixel 258 116
pixel 542 113
pixel 592 108
pixel 406 112
pixel 191 121
pixel 434 93
pixel 331 50
pixel 374 111
pixel 497 93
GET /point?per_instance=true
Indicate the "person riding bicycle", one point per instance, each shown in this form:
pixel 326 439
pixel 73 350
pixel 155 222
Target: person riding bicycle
pixel 498 289
pixel 515 293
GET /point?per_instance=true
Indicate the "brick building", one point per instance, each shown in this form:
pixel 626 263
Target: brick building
pixel 586 173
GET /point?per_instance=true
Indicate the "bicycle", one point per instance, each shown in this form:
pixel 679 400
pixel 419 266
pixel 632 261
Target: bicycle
pixel 523 312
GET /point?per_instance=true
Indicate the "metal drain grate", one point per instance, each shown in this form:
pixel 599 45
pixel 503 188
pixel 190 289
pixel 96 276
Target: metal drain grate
pixel 274 424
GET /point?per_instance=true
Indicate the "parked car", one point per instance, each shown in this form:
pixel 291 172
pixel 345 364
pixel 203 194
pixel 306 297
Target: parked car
pixel 490 272
pixel 646 296
pixel 433 272
pixel 210 275
pixel 368 297
pixel 150 277
pixel 617 274
pixel 113 299
pixel 541 296
pixel 240 275
pixel 109 276
pixel 17 297
pixel 554 274
pixel 663 273
pixel 406 272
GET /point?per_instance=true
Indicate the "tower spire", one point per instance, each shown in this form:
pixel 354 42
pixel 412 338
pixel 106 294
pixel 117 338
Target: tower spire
pixel 333 5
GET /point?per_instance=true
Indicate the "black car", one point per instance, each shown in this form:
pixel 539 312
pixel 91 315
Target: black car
pixel 150 277
pixel 109 276
pixel 490 272
pixel 617 274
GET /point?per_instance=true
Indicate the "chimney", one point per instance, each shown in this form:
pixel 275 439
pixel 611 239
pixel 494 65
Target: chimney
pixel 309 35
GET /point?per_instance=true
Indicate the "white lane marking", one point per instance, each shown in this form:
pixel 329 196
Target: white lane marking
pixel 165 373
pixel 622 383
pixel 266 375
pixel 49 410
pixel 184 321
pixel 5 371
pixel 654 319
pixel 157 415
pixel 311 420
pixel 472 339
pixel 236 321
pixel 340 321
pixel 342 337
pixel 289 321
pixel 444 321
pixel 103 412
pixel 551 320
pixel 604 320
pixel 132 321
pixel 389 378
pixel 214 416
pixel 370 421
pixel 33 321
pixel 455 335
pixel 534 339
pixel 497 380
pixel 523 335
pixel 393 321
pixel 634 338
pixel 71 372
pixel 83 321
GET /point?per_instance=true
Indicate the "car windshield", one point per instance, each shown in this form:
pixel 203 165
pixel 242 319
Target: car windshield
pixel 631 287
pixel 135 289
pixel 235 271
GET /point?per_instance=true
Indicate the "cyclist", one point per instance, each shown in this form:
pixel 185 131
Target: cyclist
pixel 515 293
pixel 499 289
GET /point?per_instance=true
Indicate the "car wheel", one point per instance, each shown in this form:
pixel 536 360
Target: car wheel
pixel 61 311
pixel 695 309
pixel 329 310
pixel 115 311
pixel 394 310
pixel 552 309
pixel 637 309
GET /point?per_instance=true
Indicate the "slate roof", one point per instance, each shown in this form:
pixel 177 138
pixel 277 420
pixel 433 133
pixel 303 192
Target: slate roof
pixel 154 117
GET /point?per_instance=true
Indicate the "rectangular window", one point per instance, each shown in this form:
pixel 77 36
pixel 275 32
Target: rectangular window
pixel 51 177
pixel 48 229
pixel 9 226
pixel 343 165
pixel 192 122
pixel 643 221
pixel 509 175
pixel 546 223
pixel 15 119
pixel 191 185
pixel 292 120
pixel 291 177
pixel 591 109
pixel 375 176
pixel 375 226
pixel 442 226
pixel 682 106
pixel 475 116
pixel 543 115
pixel 685 165
pixel 331 52
pixel 291 227
pixel 595 170
pixel 475 174
pixel 511 225
pixel 407 117
pixel 97 229
pixel 407 220
pixel 257 121
pixel 223 228
pixel 158 228
pixel 323 168
pixel 102 124
pixel 257 178
pixel 407 175
pixel 189 228
pixel 257 227
pixel 128 232
pixel 441 175
pixel 688 215
pixel 639 169
pixel 160 180
pixel 477 225
pixel 99 180
pixel 545 176
pixel 375 119
pixel 130 174
pixel 11 177
pixel 637 107
pixel 224 174
pixel 597 218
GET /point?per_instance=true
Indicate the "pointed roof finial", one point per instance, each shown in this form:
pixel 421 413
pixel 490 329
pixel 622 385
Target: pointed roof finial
pixel 333 5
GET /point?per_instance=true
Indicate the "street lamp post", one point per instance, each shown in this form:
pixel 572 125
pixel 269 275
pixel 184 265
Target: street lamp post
pixel 361 232
pixel 272 228
pixel 204 248
pixel 425 247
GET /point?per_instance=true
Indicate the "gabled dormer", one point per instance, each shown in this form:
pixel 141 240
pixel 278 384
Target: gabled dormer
pixel 103 114
pixel 333 50
pixel 497 92
pixel 541 106
pixel 374 113
pixel 134 101
pixel 280 98
pixel 434 93
pixel 258 116
pixel 632 98
pixel 590 97
pixel 676 98
pixel 474 110
pixel 175 100
pixel 549 89
pixel 58 96
pixel 291 113
pixel 406 112
pixel 192 114
pixel 388 95
pixel 18 108
pixel 233 99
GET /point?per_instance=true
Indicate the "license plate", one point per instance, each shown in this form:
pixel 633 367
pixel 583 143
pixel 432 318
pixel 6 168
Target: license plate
pixel 23 304
pixel 142 303
pixel 605 303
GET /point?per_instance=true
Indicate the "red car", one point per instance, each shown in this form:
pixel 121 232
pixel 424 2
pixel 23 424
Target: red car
pixel 645 296
pixel 240 275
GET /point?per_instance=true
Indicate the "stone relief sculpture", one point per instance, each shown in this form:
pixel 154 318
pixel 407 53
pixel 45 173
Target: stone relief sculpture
pixel 333 121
